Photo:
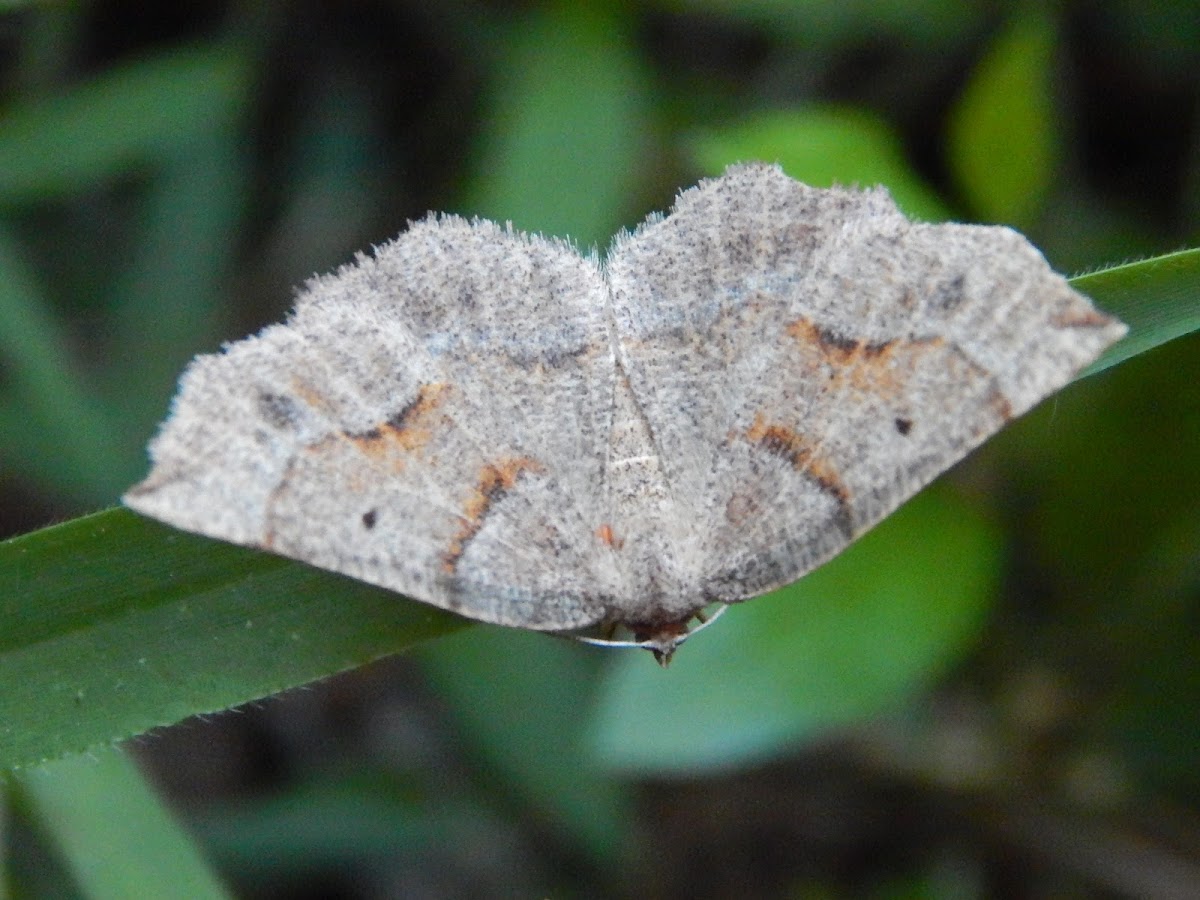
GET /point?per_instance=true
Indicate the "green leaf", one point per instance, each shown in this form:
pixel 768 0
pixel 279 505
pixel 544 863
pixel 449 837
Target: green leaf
pixel 115 835
pixel 1004 144
pixel 114 625
pixel 566 130
pixel 330 822
pixel 128 116
pixel 1159 299
pixel 853 638
pixel 823 146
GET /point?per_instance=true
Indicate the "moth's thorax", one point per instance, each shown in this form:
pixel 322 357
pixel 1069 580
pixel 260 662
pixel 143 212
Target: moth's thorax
pixel 644 526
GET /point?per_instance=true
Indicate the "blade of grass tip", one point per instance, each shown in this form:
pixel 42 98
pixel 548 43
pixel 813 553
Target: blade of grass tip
pixel 114 624
pixel 1159 299
pixel 116 836
pixel 41 380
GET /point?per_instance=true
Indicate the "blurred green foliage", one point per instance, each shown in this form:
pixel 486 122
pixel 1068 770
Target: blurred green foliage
pixel 1004 137
pixel 166 177
pixel 98 812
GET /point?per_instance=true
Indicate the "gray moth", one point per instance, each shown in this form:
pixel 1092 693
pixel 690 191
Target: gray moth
pixel 493 423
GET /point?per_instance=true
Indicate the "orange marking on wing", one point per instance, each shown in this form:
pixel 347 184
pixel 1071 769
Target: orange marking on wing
pixel 800 452
pixel 605 533
pixel 884 368
pixel 1001 405
pixel 408 431
pixel 495 480
pixel 838 350
pixel 880 368
pixel 311 396
pixel 1075 317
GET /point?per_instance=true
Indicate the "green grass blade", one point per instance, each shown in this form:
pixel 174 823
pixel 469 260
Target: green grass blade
pixel 50 407
pixel 113 625
pixel 113 832
pixel 1159 299
pixel 169 295
pixel 130 115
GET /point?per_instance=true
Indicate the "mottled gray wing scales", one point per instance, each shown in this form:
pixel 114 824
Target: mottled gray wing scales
pixel 432 420
pixel 490 423
pixel 808 359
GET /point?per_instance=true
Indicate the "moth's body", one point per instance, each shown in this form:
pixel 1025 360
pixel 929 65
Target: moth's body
pixel 494 424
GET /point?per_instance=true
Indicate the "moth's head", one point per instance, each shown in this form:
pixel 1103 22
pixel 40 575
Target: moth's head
pixel 663 640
